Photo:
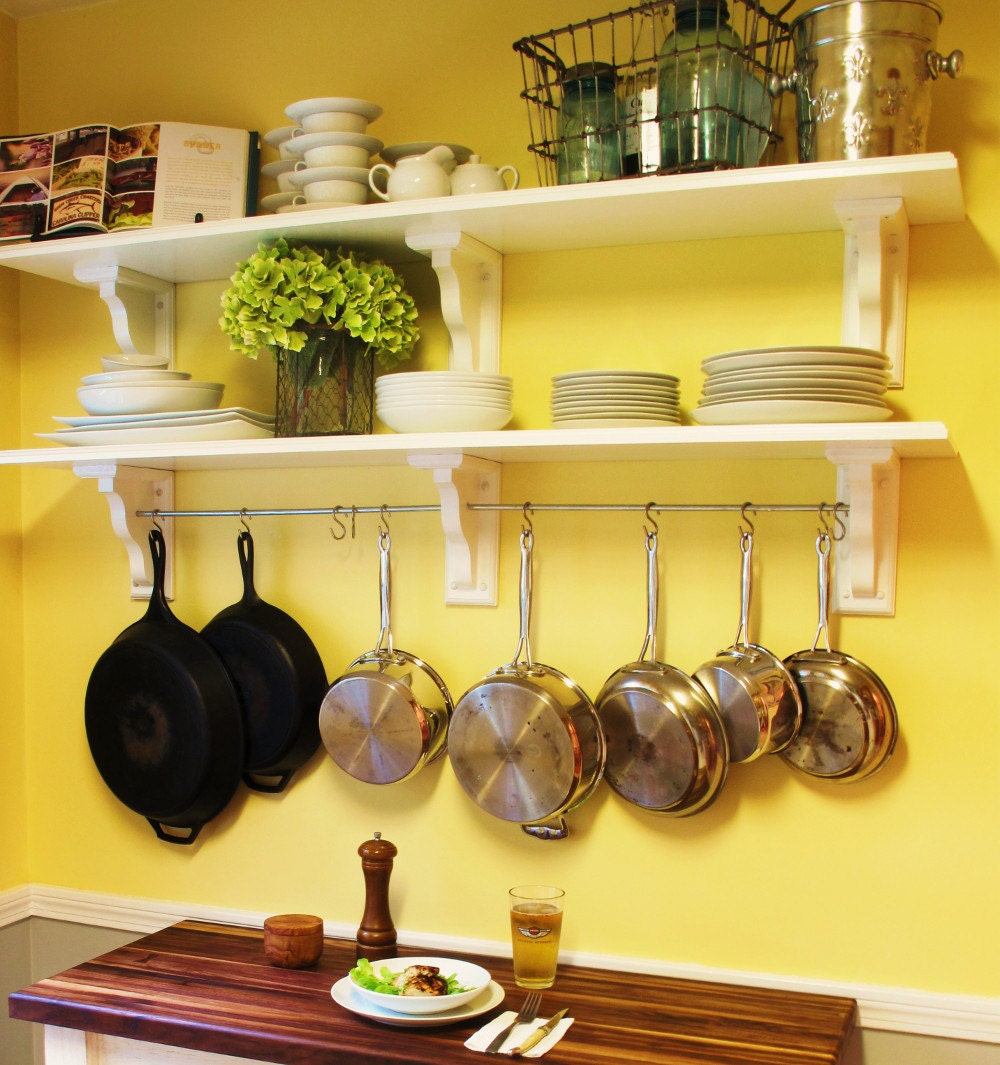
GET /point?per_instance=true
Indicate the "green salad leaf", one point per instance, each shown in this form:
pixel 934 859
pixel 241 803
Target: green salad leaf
pixel 364 975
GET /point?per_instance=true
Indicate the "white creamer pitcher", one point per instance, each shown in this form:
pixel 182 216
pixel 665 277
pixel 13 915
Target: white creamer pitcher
pixel 415 177
pixel 477 176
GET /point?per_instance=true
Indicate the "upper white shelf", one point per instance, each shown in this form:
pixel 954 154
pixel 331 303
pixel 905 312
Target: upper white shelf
pixel 796 198
pixel 686 442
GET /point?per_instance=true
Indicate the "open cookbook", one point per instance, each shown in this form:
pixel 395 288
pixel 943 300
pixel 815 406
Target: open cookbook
pixel 100 178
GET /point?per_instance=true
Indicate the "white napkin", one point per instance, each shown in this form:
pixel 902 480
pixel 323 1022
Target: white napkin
pixel 481 1040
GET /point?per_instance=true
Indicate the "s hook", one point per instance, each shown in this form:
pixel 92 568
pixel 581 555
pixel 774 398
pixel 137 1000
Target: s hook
pixel 653 528
pixel 335 514
pixel 526 526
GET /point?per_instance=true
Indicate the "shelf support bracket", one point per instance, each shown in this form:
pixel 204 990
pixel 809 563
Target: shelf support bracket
pixel 876 256
pixel 865 560
pixel 470 276
pixel 129 489
pixel 109 278
pixel 471 551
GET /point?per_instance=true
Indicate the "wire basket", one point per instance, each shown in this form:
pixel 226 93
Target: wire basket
pixel 665 87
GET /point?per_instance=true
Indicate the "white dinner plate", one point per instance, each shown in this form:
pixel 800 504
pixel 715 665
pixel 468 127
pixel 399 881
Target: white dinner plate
pixel 826 372
pixel 298 110
pixel 807 395
pixel 615 410
pixel 737 388
pixel 225 429
pixel 91 420
pixel 615 375
pixel 785 412
pixel 612 423
pixel 571 391
pixel 344 995
pixel 820 356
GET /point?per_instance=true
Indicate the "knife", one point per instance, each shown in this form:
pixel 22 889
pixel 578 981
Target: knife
pixel 537 1035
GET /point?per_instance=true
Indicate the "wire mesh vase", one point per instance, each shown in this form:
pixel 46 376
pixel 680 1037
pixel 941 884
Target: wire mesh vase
pixel 325 389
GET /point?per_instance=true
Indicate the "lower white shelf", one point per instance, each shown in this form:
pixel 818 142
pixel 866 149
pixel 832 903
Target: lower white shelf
pixel 466 469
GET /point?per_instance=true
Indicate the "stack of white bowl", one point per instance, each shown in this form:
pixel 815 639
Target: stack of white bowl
pixel 614 399
pixel 442 401
pixel 325 158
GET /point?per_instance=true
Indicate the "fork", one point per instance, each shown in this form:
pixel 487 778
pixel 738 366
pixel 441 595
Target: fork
pixel 528 1012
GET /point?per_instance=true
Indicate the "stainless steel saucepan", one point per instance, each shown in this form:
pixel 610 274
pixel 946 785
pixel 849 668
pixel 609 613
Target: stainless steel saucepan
pixel 526 743
pixel 757 698
pixel 387 716
pixel 849 724
pixel 667 748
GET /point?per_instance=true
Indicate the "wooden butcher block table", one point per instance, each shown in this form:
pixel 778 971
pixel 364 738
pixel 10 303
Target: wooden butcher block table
pixel 209 988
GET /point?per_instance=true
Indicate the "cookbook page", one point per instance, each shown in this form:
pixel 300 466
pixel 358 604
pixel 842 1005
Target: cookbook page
pixel 201 174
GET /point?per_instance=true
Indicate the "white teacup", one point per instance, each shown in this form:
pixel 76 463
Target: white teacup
pixel 279 138
pixel 334 122
pixel 336 155
pixel 336 190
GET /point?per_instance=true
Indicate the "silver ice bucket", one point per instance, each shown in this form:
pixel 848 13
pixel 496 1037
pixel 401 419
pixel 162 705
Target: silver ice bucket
pixel 862 77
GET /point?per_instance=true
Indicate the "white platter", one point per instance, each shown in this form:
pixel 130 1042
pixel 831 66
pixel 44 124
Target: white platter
pixel 344 994
pixel 787 412
pixel 108 420
pixel 224 429
pixel 298 110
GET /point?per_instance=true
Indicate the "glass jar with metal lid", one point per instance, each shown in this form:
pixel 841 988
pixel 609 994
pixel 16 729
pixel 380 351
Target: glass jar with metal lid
pixel 589 147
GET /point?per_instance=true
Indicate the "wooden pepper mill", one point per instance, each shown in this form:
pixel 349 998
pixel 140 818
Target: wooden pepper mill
pixel 376 936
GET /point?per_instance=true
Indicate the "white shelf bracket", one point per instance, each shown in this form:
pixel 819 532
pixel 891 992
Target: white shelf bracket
pixel 470 276
pixel 471 555
pixel 129 489
pixel 876 258
pixel 865 560
pixel 109 278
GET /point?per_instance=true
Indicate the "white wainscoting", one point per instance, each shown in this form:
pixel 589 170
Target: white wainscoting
pixel 888 1009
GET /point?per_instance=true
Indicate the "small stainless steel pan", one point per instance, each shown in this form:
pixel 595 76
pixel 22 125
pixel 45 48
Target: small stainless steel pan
pixel 387 716
pixel 849 723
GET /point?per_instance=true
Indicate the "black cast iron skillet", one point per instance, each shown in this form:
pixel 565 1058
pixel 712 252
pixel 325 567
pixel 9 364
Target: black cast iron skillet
pixel 279 678
pixel 163 719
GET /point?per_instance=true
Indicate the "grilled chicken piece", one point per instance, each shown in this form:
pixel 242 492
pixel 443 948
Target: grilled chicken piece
pixel 421 980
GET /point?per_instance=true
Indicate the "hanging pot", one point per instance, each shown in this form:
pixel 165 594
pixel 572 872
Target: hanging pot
pixel 667 749
pixel 387 716
pixel 757 699
pixel 163 719
pixel 849 724
pixel 526 743
pixel 279 678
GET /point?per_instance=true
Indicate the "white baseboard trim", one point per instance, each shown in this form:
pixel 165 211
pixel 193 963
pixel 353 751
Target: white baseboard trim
pixel 890 1009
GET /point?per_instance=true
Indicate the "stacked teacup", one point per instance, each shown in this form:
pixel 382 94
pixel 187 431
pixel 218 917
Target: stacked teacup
pixel 326 158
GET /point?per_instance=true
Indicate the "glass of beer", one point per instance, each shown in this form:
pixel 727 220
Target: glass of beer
pixel 535 923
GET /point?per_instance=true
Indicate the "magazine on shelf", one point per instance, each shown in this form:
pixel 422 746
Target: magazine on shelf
pixel 100 178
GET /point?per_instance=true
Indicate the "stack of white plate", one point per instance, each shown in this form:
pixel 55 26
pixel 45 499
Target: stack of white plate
pixel 783 385
pixel 441 401
pixel 614 399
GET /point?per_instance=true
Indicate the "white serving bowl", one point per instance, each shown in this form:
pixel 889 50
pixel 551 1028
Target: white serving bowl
pixel 114 377
pixel 443 377
pixel 442 417
pixel 148 397
pixel 412 391
pixel 460 402
pixel 473 977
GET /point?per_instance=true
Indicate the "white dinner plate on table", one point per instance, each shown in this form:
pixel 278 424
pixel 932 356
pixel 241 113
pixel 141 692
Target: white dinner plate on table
pixel 344 995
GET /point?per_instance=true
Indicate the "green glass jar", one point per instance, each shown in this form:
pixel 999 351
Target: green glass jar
pixel 589 146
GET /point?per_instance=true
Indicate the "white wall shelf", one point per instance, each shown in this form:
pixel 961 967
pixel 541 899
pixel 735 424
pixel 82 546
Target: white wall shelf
pixel 873 202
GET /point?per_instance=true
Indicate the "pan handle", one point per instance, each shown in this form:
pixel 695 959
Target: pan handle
pixel 169 834
pixel 524 643
pixel 652 596
pixel 244 546
pixel 823 553
pixel 554 828
pixel 746 588
pixel 384 644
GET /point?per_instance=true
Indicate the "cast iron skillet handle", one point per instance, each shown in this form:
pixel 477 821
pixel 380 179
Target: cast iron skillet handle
pixel 524 643
pixel 823 552
pixel 158 610
pixel 652 595
pixel 746 588
pixel 169 834
pixel 269 785
pixel 384 645
pixel 244 545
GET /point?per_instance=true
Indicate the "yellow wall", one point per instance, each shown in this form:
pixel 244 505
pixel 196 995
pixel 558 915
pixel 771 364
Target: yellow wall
pixel 13 782
pixel 891 881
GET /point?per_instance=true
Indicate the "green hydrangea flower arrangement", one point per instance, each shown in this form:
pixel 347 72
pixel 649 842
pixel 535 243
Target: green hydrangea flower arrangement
pixel 282 290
